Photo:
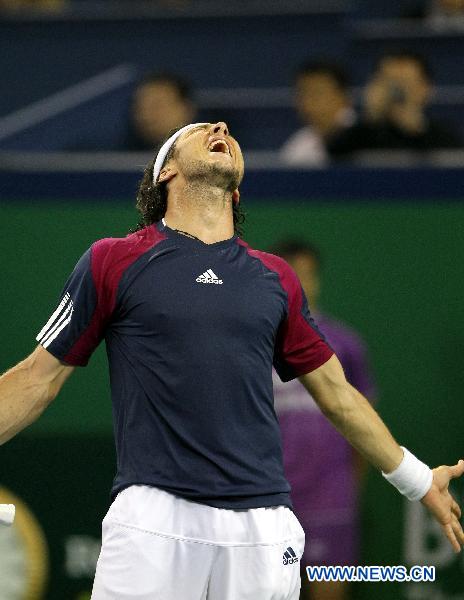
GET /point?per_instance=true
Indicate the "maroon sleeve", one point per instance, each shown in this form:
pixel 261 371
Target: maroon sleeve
pixel 300 346
pixel 110 259
pixel 89 297
pixel 93 331
pixel 78 324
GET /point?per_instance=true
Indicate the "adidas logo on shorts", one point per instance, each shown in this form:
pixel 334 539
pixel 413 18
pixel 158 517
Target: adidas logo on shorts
pixel 209 277
pixel 290 557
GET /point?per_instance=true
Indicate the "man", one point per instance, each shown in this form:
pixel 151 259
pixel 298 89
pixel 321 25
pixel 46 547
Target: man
pixel 193 319
pixel 445 14
pixel 395 118
pixel 161 102
pixel 324 482
pixel 23 5
pixel 324 105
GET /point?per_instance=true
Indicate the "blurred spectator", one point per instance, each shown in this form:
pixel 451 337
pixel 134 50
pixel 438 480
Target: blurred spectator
pixel 160 103
pixel 439 14
pixel 446 14
pixel 321 467
pixel 324 105
pixel 395 102
pixel 14 5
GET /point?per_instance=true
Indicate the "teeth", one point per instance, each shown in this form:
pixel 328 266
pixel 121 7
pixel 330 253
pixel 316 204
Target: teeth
pixel 219 143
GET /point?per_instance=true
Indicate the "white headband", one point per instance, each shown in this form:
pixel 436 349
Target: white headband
pixel 164 150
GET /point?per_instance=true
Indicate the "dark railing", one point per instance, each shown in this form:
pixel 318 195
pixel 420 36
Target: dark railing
pixel 114 176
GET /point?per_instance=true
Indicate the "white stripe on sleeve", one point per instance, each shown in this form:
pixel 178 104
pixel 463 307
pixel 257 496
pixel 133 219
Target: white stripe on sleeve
pixel 58 331
pixel 57 324
pixel 54 316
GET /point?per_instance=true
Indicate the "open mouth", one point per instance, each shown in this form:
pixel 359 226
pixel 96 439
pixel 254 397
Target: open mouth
pixel 219 146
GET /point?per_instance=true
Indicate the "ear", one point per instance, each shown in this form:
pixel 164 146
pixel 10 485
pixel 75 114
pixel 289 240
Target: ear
pixel 167 174
pixel 236 197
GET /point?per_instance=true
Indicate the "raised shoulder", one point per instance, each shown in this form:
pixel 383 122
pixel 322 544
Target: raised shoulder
pixel 107 251
pixel 112 256
pixel 287 276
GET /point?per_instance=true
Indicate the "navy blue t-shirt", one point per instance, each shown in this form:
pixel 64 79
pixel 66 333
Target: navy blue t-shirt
pixel 192 331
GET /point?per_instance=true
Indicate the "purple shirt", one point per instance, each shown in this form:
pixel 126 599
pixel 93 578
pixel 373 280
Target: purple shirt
pixel 317 459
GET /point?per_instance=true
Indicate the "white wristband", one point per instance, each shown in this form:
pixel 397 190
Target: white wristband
pixel 412 477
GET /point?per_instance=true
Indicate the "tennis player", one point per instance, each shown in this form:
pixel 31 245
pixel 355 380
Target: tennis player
pixel 193 320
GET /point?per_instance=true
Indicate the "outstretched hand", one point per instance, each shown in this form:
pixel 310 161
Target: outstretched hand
pixel 443 506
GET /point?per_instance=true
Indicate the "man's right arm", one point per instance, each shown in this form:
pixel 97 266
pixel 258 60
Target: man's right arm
pixel 27 389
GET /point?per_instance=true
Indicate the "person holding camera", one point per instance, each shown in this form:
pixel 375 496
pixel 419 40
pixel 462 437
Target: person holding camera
pixel 394 111
pixel 324 106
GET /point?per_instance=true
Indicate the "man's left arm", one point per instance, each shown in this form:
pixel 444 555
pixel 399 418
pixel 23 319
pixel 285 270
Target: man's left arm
pixel 359 423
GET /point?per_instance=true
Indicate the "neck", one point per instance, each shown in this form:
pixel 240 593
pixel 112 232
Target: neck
pixel 205 212
pixel 326 127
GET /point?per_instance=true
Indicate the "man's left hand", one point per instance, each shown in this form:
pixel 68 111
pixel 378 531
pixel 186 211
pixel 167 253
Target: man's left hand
pixel 443 506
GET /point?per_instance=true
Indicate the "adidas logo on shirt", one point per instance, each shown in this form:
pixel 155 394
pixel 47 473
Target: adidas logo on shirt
pixel 290 557
pixel 209 277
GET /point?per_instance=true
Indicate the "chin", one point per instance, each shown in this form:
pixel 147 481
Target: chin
pixel 218 172
pixel 226 175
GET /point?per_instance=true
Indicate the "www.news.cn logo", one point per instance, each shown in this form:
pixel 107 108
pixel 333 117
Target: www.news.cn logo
pixel 398 573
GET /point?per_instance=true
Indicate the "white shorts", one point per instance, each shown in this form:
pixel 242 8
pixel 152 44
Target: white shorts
pixel 157 546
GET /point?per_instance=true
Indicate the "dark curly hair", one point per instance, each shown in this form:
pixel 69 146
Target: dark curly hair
pixel 152 199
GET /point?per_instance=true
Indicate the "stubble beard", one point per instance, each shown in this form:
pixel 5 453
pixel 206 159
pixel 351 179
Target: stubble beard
pixel 212 174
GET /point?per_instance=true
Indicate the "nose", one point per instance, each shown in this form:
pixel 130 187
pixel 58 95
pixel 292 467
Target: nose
pixel 219 128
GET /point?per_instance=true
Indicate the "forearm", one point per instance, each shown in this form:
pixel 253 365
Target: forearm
pixel 359 423
pixel 21 400
pixel 27 389
pixel 352 415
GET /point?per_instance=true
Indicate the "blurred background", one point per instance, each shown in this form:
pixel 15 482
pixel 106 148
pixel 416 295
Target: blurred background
pixel 350 116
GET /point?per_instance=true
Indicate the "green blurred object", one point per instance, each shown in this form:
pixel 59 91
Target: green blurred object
pixel 395 272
